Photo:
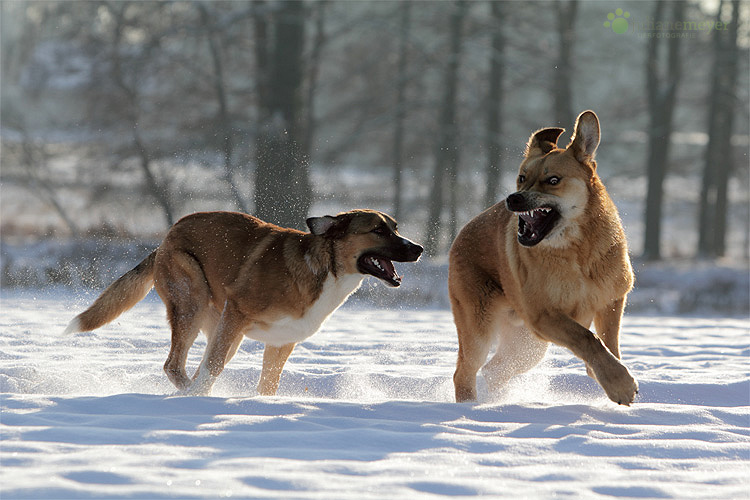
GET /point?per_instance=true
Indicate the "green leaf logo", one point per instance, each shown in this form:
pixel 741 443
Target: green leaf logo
pixel 618 21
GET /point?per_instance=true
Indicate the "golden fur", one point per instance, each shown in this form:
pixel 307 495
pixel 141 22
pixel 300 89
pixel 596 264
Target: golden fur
pixel 515 281
pixel 232 275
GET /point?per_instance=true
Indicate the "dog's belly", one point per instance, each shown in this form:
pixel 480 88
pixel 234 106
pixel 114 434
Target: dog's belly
pixel 288 329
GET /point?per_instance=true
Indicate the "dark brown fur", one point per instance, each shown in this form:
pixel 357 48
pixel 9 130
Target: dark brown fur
pixel 231 274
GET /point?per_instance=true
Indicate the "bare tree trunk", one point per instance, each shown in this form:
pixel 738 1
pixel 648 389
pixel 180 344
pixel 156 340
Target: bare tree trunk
pixel 398 130
pixel 313 66
pixel 447 155
pixel 282 187
pixel 495 105
pixel 566 16
pixel 224 120
pixel 262 52
pixel 718 165
pixel 662 93
pixel 154 187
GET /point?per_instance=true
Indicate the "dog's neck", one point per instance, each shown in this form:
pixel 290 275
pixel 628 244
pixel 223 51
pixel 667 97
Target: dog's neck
pixel 322 259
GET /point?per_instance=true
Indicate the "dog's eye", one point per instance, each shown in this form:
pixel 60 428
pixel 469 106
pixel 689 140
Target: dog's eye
pixel 521 179
pixel 553 180
pixel 380 231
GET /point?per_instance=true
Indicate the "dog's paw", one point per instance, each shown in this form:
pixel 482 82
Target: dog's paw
pixel 618 383
pixel 625 393
pixel 201 386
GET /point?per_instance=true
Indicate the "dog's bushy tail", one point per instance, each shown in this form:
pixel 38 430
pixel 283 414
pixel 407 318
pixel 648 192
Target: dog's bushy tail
pixel 120 296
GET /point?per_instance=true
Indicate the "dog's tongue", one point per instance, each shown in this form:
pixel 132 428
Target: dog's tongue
pixel 387 267
pixel 534 217
pixel 527 227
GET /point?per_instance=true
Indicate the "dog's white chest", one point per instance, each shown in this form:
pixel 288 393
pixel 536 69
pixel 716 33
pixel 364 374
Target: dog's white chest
pixel 287 329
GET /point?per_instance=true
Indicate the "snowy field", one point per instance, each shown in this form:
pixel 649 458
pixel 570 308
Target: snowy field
pixel 364 411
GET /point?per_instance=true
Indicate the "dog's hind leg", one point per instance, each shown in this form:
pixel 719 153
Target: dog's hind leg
pixel 221 346
pixel 472 354
pixel 184 333
pixel 474 341
pixel 185 293
pixel 472 313
pixel 518 351
pixel 274 359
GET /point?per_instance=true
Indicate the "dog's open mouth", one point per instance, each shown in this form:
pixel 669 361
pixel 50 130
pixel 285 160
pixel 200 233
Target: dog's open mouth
pixel 535 224
pixel 380 267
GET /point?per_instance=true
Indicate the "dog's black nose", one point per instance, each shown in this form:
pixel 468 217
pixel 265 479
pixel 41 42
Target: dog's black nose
pixel 416 250
pixel 412 251
pixel 515 202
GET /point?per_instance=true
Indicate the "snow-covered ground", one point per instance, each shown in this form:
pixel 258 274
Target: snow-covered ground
pixel 364 411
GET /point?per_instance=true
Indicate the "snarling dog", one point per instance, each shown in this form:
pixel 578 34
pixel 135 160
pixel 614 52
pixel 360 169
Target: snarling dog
pixel 540 266
pixel 232 275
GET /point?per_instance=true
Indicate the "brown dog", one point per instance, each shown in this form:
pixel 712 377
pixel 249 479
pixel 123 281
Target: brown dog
pixel 232 275
pixel 540 266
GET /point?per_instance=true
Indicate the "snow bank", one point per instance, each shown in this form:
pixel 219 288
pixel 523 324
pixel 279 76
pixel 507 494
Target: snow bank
pixel 670 287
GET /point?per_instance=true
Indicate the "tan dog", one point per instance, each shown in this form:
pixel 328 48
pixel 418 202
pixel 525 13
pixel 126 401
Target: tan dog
pixel 540 266
pixel 232 275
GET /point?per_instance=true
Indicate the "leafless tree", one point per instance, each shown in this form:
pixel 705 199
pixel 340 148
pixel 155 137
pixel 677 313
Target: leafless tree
pixel 223 119
pixel 495 103
pixel 712 214
pixel 447 150
pixel 661 90
pixel 282 186
pixel 562 83
pixel 398 124
pixel 312 63
pixel 125 64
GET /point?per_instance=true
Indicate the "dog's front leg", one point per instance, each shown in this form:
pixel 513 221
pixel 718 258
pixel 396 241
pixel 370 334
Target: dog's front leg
pixel 274 359
pixel 612 375
pixel 607 323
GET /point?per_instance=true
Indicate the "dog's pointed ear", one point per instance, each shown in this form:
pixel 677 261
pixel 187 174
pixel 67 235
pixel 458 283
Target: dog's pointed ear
pixel 321 225
pixel 543 141
pixel 586 138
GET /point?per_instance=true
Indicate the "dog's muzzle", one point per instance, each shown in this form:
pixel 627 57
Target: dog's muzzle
pixel 379 262
pixel 534 222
